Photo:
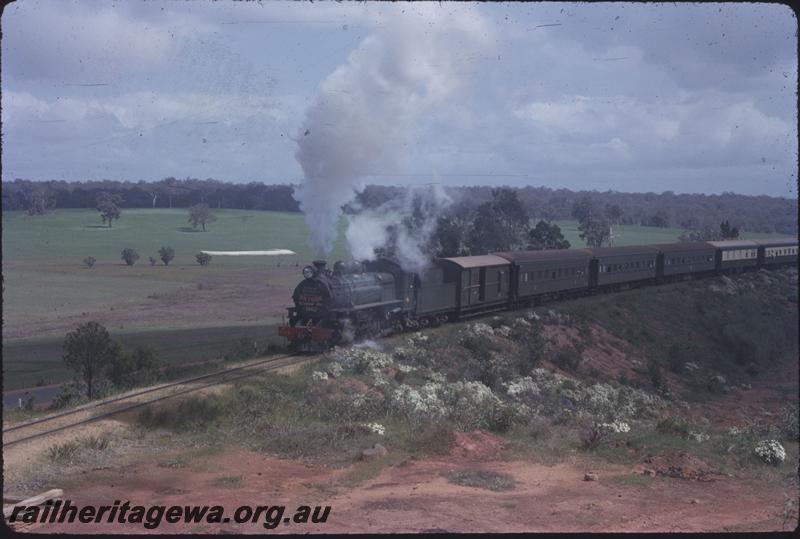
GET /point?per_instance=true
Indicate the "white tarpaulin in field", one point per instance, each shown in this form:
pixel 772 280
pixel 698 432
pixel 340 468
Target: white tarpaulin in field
pixel 272 252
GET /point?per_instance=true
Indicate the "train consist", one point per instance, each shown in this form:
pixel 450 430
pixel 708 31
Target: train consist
pixel 359 299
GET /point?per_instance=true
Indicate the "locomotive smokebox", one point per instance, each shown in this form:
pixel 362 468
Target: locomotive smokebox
pixel 320 265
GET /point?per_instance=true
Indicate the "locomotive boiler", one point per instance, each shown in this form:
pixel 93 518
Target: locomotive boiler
pixel 350 301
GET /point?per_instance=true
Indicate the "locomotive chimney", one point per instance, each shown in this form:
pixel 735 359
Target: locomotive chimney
pixel 320 265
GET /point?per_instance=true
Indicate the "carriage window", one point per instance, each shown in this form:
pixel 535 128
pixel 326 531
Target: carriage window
pixel 554 275
pixel 499 282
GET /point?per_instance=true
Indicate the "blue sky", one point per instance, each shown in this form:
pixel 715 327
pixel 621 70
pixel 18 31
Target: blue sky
pixel 631 97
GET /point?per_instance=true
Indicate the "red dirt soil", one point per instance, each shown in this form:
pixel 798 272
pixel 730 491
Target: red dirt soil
pixel 416 496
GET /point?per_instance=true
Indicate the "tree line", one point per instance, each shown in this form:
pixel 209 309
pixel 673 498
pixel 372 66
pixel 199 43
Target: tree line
pixel 667 209
pixel 685 211
pixel 40 197
pixel 503 224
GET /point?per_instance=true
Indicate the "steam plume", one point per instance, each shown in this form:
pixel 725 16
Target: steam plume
pixel 403 227
pixel 366 109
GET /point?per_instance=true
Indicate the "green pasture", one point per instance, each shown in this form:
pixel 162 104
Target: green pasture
pixel 67 236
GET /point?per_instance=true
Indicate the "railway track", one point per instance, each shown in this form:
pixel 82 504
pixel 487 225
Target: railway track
pixel 89 413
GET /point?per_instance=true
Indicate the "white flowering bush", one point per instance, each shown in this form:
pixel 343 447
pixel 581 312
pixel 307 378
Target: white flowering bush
pixel 521 322
pixel 770 451
pixel 531 315
pixel 549 393
pixel 503 331
pixel 522 385
pixel 318 376
pixel 335 370
pixel 379 380
pixel 405 369
pixel 419 403
pixel 375 428
pixel 698 437
pixel 418 339
pixel 615 427
pixel 473 405
pixel 479 329
pixel 436 376
pixel 361 360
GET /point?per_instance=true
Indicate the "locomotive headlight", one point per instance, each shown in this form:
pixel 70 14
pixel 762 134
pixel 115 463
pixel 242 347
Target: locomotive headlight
pixel 308 272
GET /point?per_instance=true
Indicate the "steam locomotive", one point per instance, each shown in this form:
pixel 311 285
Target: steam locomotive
pixel 355 300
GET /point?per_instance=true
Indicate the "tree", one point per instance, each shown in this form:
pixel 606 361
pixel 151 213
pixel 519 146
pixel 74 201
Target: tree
pixel 595 230
pixel 39 202
pixel 448 238
pixel 660 219
pixel 201 214
pixel 152 261
pixel 108 206
pixel 727 231
pixel 614 213
pixel 582 208
pixel 203 258
pixel 593 223
pixel 130 256
pixel 89 350
pixel 89 261
pixel 500 224
pixel 546 236
pixel 166 254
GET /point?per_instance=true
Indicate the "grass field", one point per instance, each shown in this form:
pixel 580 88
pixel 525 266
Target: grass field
pixel 637 235
pixel 184 310
pixel 67 236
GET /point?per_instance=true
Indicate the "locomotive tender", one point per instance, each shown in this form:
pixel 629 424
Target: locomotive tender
pixel 359 299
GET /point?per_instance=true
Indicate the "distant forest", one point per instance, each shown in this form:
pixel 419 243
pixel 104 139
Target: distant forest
pixel 686 211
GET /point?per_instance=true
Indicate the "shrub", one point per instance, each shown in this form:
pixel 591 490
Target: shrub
pixel 203 258
pixel 568 359
pixel 152 260
pixel 69 394
pixel 244 348
pixel 771 452
pixel 89 261
pixel 62 452
pixel 656 375
pixel 130 256
pixel 677 361
pixel 591 434
pixel 193 413
pixel 539 427
pixel 98 442
pixel 137 368
pixel 166 254
pixel 674 426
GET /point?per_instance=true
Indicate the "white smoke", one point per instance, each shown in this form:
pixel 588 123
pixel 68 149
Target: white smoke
pixel 366 109
pixel 402 225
